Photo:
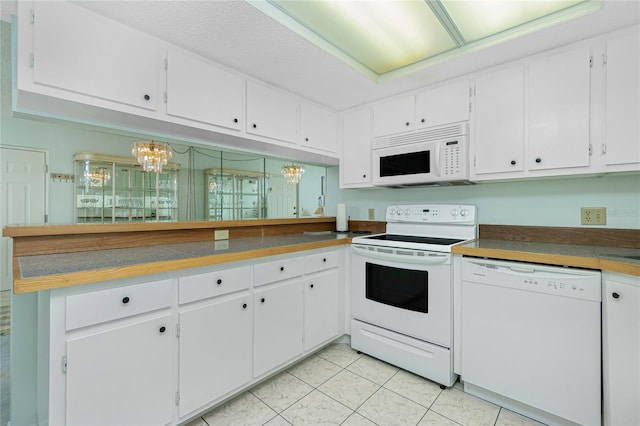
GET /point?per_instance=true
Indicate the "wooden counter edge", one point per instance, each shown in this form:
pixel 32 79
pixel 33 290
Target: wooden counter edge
pixel 28 285
pixel 551 259
pixel 43 230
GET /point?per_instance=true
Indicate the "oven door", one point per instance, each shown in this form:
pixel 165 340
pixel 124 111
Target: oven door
pixel 406 291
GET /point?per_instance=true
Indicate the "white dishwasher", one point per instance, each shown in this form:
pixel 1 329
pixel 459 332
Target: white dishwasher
pixel 531 339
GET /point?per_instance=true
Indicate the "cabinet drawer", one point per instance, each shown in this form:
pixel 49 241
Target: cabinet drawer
pixel 114 303
pixel 320 261
pixel 269 272
pixel 211 284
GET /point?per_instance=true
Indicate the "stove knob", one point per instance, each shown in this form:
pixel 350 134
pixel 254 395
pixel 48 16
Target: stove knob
pixel 392 211
pixel 406 212
pixel 454 212
pixel 399 211
pixel 464 212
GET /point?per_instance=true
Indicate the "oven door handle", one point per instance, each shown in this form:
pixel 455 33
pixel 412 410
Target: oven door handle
pixel 391 254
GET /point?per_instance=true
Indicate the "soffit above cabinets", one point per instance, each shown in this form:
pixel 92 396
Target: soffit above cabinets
pixel 387 39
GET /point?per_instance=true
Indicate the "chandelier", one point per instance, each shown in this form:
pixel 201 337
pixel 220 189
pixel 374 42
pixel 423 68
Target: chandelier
pixel 99 177
pixel 152 155
pixel 292 173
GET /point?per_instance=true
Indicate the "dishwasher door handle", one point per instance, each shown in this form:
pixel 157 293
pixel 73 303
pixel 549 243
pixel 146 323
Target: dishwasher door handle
pixel 522 270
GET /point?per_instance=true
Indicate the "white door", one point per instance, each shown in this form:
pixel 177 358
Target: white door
pixel 22 192
pixel 281 198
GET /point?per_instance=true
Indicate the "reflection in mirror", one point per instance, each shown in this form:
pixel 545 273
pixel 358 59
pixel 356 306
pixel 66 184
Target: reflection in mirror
pixel 223 185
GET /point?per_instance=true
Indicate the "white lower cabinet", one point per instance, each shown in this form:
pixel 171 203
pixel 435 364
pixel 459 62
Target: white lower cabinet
pixel 214 351
pixel 136 352
pixel 620 349
pixel 277 325
pixel 121 376
pixel 321 312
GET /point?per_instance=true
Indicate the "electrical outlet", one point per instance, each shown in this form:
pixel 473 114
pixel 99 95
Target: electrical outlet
pixel 221 235
pixel 372 214
pixel 593 215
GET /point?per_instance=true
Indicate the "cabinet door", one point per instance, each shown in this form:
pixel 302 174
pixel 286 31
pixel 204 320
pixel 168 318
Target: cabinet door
pixel 394 116
pixel 443 105
pixel 621 351
pixel 321 308
pixel 271 113
pixel 499 121
pixel 215 351
pixel 277 326
pixel 79 51
pixel 319 128
pixel 355 162
pixel 122 376
pixel 623 100
pixel 198 90
pixel 558 111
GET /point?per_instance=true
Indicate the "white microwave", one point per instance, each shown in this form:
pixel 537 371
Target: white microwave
pixel 431 157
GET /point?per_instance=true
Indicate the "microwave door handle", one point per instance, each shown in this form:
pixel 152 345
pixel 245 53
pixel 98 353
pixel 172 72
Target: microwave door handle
pixel 436 165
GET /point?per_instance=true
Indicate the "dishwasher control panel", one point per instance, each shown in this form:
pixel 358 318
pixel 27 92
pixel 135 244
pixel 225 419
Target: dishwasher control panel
pixel 553 280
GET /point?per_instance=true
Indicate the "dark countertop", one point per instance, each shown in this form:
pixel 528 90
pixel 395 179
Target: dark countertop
pixel 42 272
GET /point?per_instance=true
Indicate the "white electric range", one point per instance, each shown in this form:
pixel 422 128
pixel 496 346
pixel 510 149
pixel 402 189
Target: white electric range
pixel 402 287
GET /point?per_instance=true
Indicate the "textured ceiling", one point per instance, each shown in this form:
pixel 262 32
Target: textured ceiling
pixel 235 34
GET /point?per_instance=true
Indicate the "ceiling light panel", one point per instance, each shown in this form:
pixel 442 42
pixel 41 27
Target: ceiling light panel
pixel 478 19
pixel 384 39
pixel 382 35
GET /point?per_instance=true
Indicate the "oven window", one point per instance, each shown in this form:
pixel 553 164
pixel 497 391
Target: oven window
pixel 402 288
pixel 405 164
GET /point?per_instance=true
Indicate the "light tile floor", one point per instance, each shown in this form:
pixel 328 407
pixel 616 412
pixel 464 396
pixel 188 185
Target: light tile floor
pixel 338 386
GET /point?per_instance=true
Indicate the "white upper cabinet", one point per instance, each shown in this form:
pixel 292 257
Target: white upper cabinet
pixel 394 116
pixel 198 90
pixel 622 133
pixel 558 110
pixel 271 113
pixel 498 125
pixel 319 128
pixel 85 54
pixel 443 105
pixel 355 161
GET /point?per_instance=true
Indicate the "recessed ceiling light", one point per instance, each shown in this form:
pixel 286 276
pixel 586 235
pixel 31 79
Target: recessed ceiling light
pixel 387 38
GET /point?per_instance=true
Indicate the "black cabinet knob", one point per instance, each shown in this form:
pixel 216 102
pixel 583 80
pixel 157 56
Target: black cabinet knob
pixel 281 268
pixel 311 285
pixel 423 120
pixel 262 300
pixel 162 329
pixel 324 259
pixel 235 120
pixel 306 139
pixel 219 281
pixel 255 125
pixel 538 160
pixel 125 300
pixel 615 295
pixel 406 124
pixel 244 306
pixel 513 162
pixel 147 97
pixel 364 176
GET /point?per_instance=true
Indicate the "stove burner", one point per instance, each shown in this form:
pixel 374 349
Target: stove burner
pixel 414 239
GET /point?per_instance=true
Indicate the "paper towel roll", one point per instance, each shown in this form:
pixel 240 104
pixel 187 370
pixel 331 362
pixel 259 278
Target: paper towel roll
pixel 341 218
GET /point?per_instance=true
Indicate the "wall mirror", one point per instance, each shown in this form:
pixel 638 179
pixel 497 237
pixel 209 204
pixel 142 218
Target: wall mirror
pixel 198 184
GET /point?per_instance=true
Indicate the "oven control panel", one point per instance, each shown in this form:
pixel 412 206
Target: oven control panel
pixel 432 213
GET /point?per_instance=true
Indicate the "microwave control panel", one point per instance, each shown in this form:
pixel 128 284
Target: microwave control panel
pixel 453 159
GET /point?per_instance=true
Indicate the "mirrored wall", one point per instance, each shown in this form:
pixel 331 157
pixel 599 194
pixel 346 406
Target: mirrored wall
pixel 207 184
